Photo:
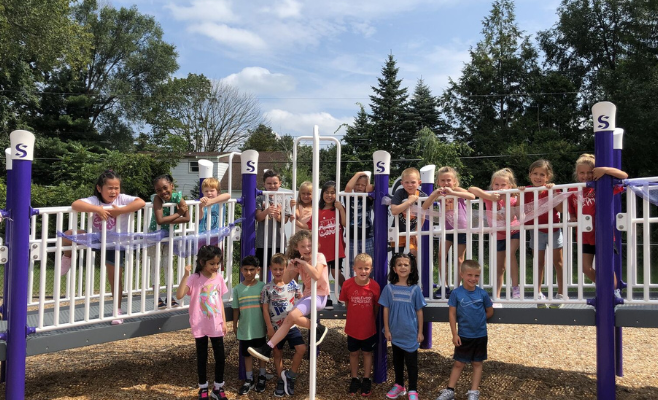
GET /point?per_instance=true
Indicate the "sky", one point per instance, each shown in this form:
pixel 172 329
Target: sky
pixel 311 62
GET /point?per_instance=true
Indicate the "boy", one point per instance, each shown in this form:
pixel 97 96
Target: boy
pixel 402 200
pixel 361 297
pixel 266 208
pixel 248 323
pixel 278 298
pixel 212 198
pixel 470 307
pixel 360 215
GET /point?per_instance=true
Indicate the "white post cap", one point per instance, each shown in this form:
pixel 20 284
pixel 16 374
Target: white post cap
pixel 205 169
pixel 382 162
pixel 427 173
pixel 249 159
pixel 618 139
pixel 8 158
pixel 604 114
pixel 22 145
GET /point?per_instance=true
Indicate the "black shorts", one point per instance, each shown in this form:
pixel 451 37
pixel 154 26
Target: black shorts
pixel 294 338
pixel 246 344
pixel 589 249
pixel 332 264
pixel 461 238
pixel 109 256
pixel 501 245
pixel 367 345
pixel 472 349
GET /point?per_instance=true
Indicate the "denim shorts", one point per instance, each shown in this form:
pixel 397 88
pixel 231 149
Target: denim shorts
pixel 542 242
pixel 501 245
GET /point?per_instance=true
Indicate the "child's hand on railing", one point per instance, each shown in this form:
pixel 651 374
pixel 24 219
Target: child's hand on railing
pixel 103 213
pixel 188 269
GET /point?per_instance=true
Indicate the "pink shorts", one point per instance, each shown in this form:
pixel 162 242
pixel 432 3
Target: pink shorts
pixel 304 304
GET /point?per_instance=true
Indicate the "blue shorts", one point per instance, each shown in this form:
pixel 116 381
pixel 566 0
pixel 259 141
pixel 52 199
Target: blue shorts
pixel 542 242
pixel 367 345
pixel 109 256
pixel 501 245
pixel 472 349
pixel 461 238
pixel 294 338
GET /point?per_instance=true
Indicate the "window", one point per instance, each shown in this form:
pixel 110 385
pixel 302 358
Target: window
pixel 194 167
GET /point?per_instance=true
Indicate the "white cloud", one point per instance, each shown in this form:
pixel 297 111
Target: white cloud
pixel 236 38
pixel 364 28
pixel 261 81
pixel 285 9
pixel 204 10
pixel 286 122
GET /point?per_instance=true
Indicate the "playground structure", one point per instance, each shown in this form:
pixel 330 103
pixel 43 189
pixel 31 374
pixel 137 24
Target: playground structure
pixel 73 310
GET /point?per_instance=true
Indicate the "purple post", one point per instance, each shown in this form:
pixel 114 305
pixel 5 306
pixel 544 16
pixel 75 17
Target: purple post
pixel 249 160
pixel 427 186
pixel 604 125
pixel 4 308
pixel 616 162
pixel 22 147
pixel 382 163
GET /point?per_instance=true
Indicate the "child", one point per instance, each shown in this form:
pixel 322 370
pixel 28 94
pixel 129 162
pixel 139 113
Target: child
pixel 107 192
pixel 400 203
pixel 586 172
pixel 164 193
pixel 304 207
pixel 327 231
pixel 447 184
pixel 360 215
pixel 278 299
pixel 248 323
pixel 502 179
pixel 211 197
pixel 361 297
pixel 403 304
pixel 207 318
pixel 299 255
pixel 541 174
pixel 266 208
pixel 470 307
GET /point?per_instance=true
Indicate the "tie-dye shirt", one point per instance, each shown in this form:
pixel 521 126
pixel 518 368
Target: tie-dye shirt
pixel 206 305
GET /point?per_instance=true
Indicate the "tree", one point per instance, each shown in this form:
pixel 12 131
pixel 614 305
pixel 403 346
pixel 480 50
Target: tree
pixel 423 108
pixel 434 151
pixel 359 141
pixel 262 138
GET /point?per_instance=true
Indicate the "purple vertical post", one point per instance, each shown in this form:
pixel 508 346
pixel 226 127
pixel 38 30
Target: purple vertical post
pixel 382 164
pixel 22 148
pixel 427 186
pixel 604 125
pixel 249 161
pixel 4 308
pixel 618 138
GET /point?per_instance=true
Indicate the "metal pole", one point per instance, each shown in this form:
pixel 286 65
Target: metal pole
pixel 619 354
pixel 22 147
pixel 313 348
pixel 427 186
pixel 4 308
pixel 604 125
pixel 382 165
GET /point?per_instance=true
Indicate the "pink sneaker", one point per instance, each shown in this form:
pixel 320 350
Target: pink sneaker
pixel 413 395
pixel 118 321
pixel 65 265
pixel 396 391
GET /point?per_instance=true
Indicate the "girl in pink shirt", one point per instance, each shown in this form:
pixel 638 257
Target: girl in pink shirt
pixel 207 317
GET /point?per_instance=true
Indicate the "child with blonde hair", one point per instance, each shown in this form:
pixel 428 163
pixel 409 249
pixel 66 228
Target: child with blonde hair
pixel 304 205
pixel 402 200
pixel 502 179
pixel 212 196
pixel 447 184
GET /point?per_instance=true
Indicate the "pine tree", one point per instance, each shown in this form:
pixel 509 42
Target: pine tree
pixel 423 108
pixel 359 144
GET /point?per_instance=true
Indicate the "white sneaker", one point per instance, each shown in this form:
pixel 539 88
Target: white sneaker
pixel 446 394
pixel 516 292
pixel 559 297
pixel 617 294
pixel 541 297
pixel 473 395
pixel 65 265
pixel 497 305
pixel 118 321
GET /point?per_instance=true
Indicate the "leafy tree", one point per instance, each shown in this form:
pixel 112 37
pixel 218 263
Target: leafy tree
pixel 433 150
pixel 262 138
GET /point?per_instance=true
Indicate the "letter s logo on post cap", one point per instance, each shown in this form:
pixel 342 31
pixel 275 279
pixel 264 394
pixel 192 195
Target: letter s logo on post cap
pixel 604 114
pixel 22 145
pixel 249 160
pixel 382 162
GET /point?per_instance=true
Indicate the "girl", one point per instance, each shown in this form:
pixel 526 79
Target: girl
pixel 207 317
pixel 447 184
pixel 107 192
pixel 164 193
pixel 304 207
pixel 360 215
pixel 541 174
pixel 403 304
pixel 299 253
pixel 502 180
pixel 586 172
pixel 327 231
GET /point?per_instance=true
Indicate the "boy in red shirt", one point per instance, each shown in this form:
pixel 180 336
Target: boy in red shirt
pixel 361 297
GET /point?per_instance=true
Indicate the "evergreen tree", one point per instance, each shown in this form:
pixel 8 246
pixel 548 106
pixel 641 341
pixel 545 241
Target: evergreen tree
pixel 360 143
pixel 423 108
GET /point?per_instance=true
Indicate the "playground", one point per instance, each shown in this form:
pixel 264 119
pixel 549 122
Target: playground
pixel 525 362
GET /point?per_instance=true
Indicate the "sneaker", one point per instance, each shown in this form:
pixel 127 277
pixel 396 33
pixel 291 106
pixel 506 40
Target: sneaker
pixel 473 395
pixel 263 352
pixel 174 303
pixel 446 394
pixel 559 297
pixel 218 394
pixel 320 333
pixel 617 294
pixel 413 395
pixel 246 387
pixel 396 391
pixel 329 305
pixel 279 391
pixel 65 265
pixel 260 384
pixel 162 304
pixel 541 297
pixel 269 376
pixel 203 393
pixel 516 292
pixel 288 383
pixel 118 321
pixel 355 385
pixel 366 387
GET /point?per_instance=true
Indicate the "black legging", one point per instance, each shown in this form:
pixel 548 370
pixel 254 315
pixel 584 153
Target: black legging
pixel 400 357
pixel 202 357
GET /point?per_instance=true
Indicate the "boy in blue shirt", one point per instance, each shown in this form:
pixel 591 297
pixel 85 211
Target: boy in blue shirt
pixel 470 307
